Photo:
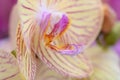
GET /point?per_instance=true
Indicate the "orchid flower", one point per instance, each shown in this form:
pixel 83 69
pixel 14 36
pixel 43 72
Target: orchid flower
pixel 57 32
pixel 41 48
pixel 54 34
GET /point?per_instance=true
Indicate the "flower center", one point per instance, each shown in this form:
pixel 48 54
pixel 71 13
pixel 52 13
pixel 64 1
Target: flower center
pixel 53 26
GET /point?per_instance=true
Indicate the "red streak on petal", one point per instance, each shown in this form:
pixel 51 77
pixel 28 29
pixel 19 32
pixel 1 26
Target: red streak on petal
pixel 11 76
pixel 28 8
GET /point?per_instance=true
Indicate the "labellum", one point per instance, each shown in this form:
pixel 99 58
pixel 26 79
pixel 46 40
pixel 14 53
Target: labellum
pixel 57 32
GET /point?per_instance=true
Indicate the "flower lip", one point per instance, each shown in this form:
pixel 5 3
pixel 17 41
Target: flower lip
pixel 76 50
pixel 86 23
pixel 59 28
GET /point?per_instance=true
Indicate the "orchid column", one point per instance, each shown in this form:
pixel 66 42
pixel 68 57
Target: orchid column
pixel 57 32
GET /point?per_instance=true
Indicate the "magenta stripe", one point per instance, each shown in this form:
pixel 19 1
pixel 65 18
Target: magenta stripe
pixel 81 19
pixel 25 14
pixel 76 5
pixel 28 8
pixel 28 27
pixel 27 21
pixel 7 78
pixel 53 61
pixel 87 10
pixel 72 65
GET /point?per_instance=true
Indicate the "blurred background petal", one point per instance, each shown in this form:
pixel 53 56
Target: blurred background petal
pixel 106 64
pixel 8 67
pixel 115 4
pixel 5 9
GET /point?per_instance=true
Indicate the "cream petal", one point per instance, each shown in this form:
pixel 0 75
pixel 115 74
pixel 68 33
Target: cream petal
pixel 44 73
pixel 8 67
pixel 106 64
pixel 25 57
pixel 85 18
pixel 76 66
pixel 61 63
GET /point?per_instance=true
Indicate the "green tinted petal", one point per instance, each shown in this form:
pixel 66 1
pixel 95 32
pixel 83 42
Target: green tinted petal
pixel 106 64
pixel 8 67
pixel 44 73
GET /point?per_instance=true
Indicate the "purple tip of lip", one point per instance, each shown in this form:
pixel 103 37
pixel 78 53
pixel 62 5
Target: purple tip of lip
pixel 64 21
pixel 77 50
pixel 61 25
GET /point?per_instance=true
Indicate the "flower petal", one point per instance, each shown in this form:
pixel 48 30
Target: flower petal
pixel 106 64
pixel 26 59
pixel 85 18
pixel 44 73
pixel 61 63
pixel 8 67
pixel 51 28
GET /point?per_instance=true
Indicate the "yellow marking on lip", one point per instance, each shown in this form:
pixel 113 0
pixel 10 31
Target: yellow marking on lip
pixel 50 38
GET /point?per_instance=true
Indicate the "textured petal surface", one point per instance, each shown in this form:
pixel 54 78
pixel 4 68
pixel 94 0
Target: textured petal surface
pixel 61 63
pixel 44 73
pixel 8 67
pixel 51 28
pixel 85 18
pixel 26 60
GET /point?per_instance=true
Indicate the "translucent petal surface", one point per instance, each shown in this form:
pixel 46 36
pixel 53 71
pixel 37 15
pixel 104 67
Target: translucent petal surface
pixel 106 64
pixel 51 28
pixel 44 73
pixel 8 67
